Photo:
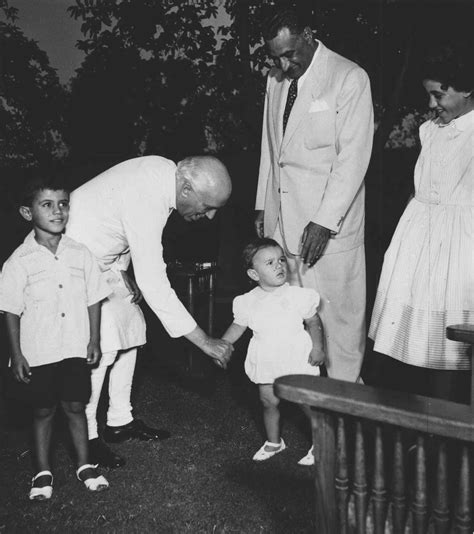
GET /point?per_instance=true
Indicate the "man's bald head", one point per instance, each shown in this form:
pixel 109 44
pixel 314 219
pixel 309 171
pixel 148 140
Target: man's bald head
pixel 202 186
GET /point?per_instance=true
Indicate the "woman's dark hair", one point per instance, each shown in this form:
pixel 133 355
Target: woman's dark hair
pixel 253 247
pixel 451 66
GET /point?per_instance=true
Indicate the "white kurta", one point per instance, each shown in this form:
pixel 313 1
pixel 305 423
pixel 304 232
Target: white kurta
pixel 280 344
pixel 124 211
pixel 427 280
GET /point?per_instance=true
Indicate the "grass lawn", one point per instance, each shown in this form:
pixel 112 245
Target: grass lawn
pixel 202 479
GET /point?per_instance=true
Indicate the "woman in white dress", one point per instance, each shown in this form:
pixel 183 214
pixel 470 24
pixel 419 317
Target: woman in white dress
pixel 277 313
pixel 427 277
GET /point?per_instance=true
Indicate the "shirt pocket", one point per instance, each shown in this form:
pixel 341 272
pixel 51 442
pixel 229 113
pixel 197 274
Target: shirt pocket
pixel 40 286
pixel 319 129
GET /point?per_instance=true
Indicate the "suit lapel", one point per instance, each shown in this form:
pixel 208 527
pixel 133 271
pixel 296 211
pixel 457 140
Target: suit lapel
pixel 277 106
pixel 311 89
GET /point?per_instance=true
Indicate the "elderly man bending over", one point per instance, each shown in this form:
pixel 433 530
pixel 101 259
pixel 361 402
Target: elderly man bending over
pixel 120 216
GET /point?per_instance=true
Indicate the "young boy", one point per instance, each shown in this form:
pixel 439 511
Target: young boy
pixel 51 289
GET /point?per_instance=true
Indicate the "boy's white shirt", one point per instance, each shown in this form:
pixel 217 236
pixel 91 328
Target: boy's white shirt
pixel 51 293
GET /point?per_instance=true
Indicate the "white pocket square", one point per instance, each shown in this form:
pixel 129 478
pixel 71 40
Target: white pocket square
pixel 318 105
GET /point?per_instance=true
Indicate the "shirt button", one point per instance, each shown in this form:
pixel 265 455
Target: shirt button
pixel 60 286
pixel 63 315
pixel 56 258
pixel 281 165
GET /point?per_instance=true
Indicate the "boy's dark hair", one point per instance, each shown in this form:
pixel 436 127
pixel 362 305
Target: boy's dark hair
pixel 253 247
pixel 282 18
pixel 40 182
pixel 451 66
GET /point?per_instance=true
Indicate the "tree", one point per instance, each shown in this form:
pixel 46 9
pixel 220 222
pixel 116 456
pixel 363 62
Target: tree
pixel 144 85
pixel 31 99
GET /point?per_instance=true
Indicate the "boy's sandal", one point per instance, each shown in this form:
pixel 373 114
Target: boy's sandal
pixel 308 459
pixel 41 493
pixel 263 454
pixel 94 482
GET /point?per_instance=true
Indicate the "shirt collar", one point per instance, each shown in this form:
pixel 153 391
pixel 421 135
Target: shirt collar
pixel 460 124
pixel 464 122
pixel 32 244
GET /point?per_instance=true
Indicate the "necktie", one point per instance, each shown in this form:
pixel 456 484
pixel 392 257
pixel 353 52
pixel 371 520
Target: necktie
pixel 290 100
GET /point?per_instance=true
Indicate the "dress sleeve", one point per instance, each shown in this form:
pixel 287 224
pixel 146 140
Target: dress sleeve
pixel 423 130
pixel 309 302
pixel 240 310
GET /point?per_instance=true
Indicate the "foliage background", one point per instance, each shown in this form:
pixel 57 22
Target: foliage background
pixel 173 78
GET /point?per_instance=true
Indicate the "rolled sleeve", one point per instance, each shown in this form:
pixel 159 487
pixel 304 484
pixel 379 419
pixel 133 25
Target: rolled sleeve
pixel 13 281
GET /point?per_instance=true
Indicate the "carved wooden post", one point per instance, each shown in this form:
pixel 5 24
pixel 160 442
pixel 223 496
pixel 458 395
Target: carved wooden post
pixel 463 515
pixel 324 471
pixel 398 485
pixel 342 477
pixel 440 509
pixel 360 481
pixel 379 492
pixel 419 505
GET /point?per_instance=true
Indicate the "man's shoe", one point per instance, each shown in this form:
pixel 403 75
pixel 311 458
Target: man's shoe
pixel 102 455
pixel 135 430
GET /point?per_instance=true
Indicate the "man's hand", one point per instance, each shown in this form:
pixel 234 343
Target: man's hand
pixel 315 239
pixel 131 285
pixel 21 369
pixel 93 353
pixel 258 222
pixel 219 350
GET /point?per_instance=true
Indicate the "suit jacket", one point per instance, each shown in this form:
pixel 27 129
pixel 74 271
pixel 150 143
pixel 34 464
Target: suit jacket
pixel 315 171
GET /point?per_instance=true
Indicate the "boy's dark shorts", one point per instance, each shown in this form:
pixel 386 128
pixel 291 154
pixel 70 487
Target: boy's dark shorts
pixel 68 380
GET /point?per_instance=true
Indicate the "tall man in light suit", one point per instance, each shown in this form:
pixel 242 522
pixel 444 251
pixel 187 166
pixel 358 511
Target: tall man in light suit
pixel 316 145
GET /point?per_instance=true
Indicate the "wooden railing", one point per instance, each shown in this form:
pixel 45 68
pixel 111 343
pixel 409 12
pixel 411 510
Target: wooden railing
pixel 386 461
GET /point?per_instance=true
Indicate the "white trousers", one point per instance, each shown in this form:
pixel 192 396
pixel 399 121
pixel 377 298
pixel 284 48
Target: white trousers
pixel 340 281
pixel 120 388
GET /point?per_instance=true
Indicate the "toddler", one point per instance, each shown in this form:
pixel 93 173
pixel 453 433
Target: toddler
pixel 277 313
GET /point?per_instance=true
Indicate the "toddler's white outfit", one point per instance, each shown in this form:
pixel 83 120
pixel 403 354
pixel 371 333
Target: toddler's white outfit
pixel 280 345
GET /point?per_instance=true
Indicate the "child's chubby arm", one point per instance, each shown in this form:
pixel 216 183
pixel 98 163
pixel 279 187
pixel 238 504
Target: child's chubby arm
pixel 93 348
pixel 315 330
pixel 234 332
pixel 20 366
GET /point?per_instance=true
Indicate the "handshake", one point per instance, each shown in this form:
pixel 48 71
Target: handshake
pixel 219 350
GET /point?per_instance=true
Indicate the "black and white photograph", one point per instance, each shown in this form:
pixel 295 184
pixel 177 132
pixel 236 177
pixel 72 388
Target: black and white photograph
pixel 237 266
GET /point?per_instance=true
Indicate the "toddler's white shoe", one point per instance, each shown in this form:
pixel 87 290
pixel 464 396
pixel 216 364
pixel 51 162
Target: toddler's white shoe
pixel 262 454
pixel 308 459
